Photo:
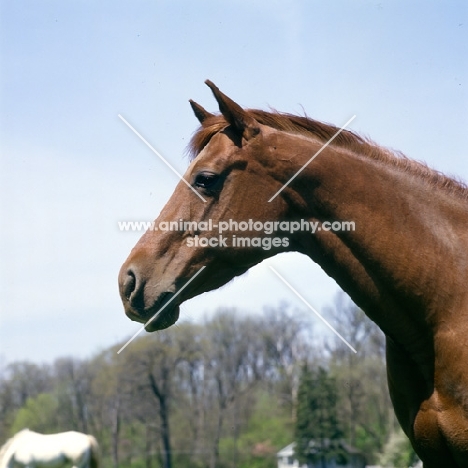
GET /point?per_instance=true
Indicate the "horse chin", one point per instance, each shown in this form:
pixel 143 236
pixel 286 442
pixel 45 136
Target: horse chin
pixel 164 319
pixel 162 314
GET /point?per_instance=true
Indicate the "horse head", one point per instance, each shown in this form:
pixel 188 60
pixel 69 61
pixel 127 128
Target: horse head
pixel 234 175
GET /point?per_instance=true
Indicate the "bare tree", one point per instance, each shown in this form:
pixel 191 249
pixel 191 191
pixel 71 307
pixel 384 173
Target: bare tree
pixel 234 363
pixel 110 397
pixel 361 376
pixel 73 387
pixel 287 340
pixel 191 383
pixel 153 362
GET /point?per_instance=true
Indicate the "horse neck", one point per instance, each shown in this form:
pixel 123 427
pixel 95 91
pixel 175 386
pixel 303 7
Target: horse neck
pixel 8 450
pixel 405 229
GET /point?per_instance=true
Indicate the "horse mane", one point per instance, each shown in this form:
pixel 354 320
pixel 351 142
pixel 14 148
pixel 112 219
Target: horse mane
pixel 304 125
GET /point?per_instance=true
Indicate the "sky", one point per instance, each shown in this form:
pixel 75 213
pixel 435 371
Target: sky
pixel 70 169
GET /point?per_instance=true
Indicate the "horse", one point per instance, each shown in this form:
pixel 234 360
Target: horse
pixel 30 449
pixel 405 264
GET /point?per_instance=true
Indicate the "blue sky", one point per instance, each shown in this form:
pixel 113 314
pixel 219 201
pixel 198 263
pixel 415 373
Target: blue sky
pixel 70 169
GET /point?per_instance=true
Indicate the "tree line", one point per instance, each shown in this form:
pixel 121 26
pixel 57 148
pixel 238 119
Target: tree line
pixel 225 393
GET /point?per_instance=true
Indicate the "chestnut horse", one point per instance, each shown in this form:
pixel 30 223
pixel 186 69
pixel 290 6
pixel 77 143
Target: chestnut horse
pixel 405 263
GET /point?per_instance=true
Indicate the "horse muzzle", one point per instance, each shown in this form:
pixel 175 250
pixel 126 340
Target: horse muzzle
pixel 141 306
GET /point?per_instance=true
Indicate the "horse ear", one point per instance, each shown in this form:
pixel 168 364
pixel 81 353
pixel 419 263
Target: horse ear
pixel 200 113
pixel 234 114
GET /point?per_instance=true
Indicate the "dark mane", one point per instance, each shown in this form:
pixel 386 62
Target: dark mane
pixel 304 125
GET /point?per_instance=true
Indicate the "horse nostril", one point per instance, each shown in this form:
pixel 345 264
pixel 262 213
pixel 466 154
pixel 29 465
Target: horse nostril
pixel 129 284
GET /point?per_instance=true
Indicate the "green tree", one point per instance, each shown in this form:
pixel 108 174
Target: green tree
pixel 317 431
pixel 269 429
pixel 38 414
pixel 227 389
pixel 398 452
pixel 365 410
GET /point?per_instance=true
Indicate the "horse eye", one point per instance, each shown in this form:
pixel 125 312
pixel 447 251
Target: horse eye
pixel 206 180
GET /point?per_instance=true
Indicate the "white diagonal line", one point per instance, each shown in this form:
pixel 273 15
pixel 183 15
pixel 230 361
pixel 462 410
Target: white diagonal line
pixel 161 309
pixel 312 158
pixel 161 157
pixel 312 309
